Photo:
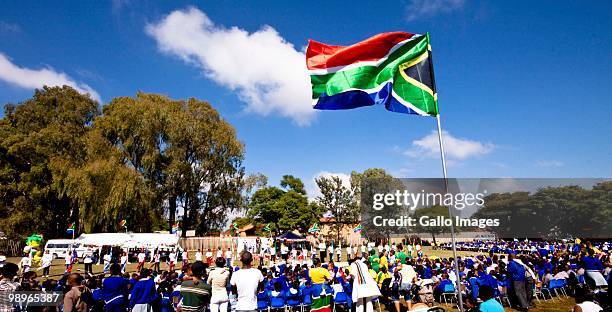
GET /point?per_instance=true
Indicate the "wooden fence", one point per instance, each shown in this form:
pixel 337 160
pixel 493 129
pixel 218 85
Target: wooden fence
pixel 205 243
pixel 11 248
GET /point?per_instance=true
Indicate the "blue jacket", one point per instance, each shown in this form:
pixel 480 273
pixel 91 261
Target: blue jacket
pixel 143 292
pixel 516 270
pixel 113 287
pixel 277 299
pixel 591 263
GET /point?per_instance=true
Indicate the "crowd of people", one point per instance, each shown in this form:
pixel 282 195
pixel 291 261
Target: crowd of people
pixel 318 278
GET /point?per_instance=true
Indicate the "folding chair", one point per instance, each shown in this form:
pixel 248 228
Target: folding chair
pixel 537 291
pixel 449 291
pixel 556 285
pixel 277 304
pixel 306 301
pixel 341 299
pixel 263 304
pixel 294 301
pixel 502 295
pixel 563 286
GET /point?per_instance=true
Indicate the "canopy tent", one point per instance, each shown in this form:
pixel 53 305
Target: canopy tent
pixel 103 239
pixel 128 240
pixel 290 236
pixel 152 240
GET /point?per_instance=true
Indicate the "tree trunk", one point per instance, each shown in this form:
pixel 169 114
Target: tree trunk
pixel 171 211
pixel 186 219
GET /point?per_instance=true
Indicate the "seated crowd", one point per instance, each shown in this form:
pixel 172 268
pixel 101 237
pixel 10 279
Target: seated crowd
pixel 393 277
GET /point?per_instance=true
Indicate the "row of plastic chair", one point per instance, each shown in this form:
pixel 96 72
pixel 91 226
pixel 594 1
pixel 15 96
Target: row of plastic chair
pixel 340 298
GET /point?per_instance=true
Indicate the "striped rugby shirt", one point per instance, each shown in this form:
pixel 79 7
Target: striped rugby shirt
pixel 195 297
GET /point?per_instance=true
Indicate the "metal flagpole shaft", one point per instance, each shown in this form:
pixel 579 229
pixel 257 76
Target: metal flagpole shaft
pixel 450 215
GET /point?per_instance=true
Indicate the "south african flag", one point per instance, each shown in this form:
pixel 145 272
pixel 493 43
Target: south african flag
pixel 393 69
pixel 314 228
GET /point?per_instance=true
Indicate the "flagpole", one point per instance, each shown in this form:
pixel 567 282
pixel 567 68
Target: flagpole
pixel 450 215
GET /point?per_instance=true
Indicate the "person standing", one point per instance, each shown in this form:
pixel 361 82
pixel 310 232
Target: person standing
pixel 245 283
pixel 209 257
pixel 185 257
pixel 68 262
pixel 107 261
pixel 349 252
pixel 143 294
pixel 124 261
pixel 46 260
pixel 330 252
pixel 88 260
pixel 228 257
pixel 156 261
pixel 218 278
pixel 322 249
pixel 516 271
pixel 219 252
pixel 25 263
pixel 198 255
pixel 141 260
pixel 364 287
pixel 114 289
pixel 172 261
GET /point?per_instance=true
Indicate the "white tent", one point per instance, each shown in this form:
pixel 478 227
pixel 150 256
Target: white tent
pixel 152 240
pixel 128 240
pixel 103 239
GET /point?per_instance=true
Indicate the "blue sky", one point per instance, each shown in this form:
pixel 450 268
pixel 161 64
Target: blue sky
pixel 524 86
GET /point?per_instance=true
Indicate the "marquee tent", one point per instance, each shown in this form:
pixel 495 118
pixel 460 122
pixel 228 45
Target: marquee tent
pixel 128 240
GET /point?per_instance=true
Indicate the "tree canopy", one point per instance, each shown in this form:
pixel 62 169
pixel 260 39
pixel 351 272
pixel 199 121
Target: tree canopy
pixel 143 158
pixel 285 208
pixel 552 212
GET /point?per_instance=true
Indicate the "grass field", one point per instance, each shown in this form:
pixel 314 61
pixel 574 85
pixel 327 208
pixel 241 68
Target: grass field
pixel 562 305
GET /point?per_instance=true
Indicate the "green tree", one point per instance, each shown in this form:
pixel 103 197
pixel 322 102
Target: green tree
pixel 365 185
pixel 41 140
pixel 432 212
pixel 284 209
pixel 206 161
pixel 124 176
pixel 339 200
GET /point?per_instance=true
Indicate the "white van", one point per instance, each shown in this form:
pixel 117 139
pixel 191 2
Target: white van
pixel 59 247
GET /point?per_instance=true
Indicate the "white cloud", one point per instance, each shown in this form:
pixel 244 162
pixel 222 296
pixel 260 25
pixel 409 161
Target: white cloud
pixel 312 190
pixel 427 8
pixel 9 27
pixel 268 72
pixel 37 78
pixel 454 148
pixel 549 163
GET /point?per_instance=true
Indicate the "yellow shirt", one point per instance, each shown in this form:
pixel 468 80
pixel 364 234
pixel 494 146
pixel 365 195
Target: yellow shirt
pixel 383 262
pixel 381 277
pixel 372 274
pixel 318 275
